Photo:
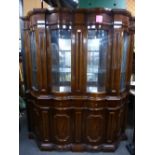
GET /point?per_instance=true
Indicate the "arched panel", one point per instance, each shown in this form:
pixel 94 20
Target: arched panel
pixel 62 127
pixel 94 128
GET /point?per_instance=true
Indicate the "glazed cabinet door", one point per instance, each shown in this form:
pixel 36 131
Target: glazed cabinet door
pixel 97 60
pixel 121 56
pixel 59 53
pixel 38 53
pixel 124 58
pixel 33 62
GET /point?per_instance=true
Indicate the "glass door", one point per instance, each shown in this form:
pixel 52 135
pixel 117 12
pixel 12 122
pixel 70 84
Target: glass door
pixel 97 47
pixel 124 60
pixel 33 59
pixel 61 60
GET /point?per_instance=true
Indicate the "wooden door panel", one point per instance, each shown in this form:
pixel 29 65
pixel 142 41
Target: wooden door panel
pixel 36 115
pixel 114 125
pixel 62 127
pixel 45 125
pixel 94 128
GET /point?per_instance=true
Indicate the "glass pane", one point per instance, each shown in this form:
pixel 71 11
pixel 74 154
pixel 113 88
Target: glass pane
pixel 96 60
pixel 33 59
pixel 124 60
pixel 61 60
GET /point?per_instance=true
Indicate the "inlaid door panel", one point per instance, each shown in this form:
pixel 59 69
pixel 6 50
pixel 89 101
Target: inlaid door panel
pixel 62 127
pixel 114 124
pixel 78 126
pixel 37 125
pixel 30 115
pixel 95 127
pixel 45 125
pixel 120 122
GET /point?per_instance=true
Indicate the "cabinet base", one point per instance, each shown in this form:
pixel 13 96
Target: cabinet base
pixel 78 147
pixel 47 146
pixel 30 135
pixel 77 125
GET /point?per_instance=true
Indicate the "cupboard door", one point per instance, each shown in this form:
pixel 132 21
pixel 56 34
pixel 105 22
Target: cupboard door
pixel 114 124
pixel 97 48
pixel 95 126
pixel 45 121
pixel 62 126
pixel 37 124
pixel 61 60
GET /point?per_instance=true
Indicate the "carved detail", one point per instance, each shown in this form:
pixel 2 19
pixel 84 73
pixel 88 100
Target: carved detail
pixel 78 126
pixel 62 126
pixel 45 125
pixel 111 127
pixel 36 122
pixel 94 128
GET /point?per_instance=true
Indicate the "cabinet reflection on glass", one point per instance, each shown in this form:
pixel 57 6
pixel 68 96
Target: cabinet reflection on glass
pixel 61 60
pixel 124 60
pixel 96 60
pixel 33 59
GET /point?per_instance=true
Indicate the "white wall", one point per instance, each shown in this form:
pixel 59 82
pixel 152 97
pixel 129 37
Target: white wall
pixel 28 5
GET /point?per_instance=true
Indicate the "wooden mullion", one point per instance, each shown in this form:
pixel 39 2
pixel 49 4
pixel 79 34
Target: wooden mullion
pixel 49 60
pixel 108 63
pixel 28 59
pixel 39 74
pixel 129 60
pixel 84 60
pixel 44 65
pixel 73 61
pixel 120 43
pixel 116 60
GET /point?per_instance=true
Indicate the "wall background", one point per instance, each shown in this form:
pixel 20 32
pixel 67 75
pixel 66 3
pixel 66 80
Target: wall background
pixel 124 4
pixel 131 6
pixel 102 3
pixel 28 5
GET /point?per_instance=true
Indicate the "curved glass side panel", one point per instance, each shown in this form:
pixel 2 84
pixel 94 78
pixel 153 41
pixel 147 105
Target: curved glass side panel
pixel 97 48
pixel 33 59
pixel 124 60
pixel 61 60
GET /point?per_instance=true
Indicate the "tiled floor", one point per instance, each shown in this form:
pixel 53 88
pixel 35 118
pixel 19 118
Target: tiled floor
pixel 29 147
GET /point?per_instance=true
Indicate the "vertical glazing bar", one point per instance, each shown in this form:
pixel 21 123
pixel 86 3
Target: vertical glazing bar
pixel 129 58
pixel 27 56
pixel 116 60
pixel 109 62
pixel 49 60
pixel 39 73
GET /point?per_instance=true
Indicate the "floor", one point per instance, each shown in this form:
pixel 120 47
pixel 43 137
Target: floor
pixel 28 146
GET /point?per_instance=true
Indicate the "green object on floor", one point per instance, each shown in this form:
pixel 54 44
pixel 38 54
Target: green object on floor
pixel 22 103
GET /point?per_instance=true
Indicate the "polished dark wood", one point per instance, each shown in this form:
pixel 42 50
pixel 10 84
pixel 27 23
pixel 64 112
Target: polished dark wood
pixel 77 120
